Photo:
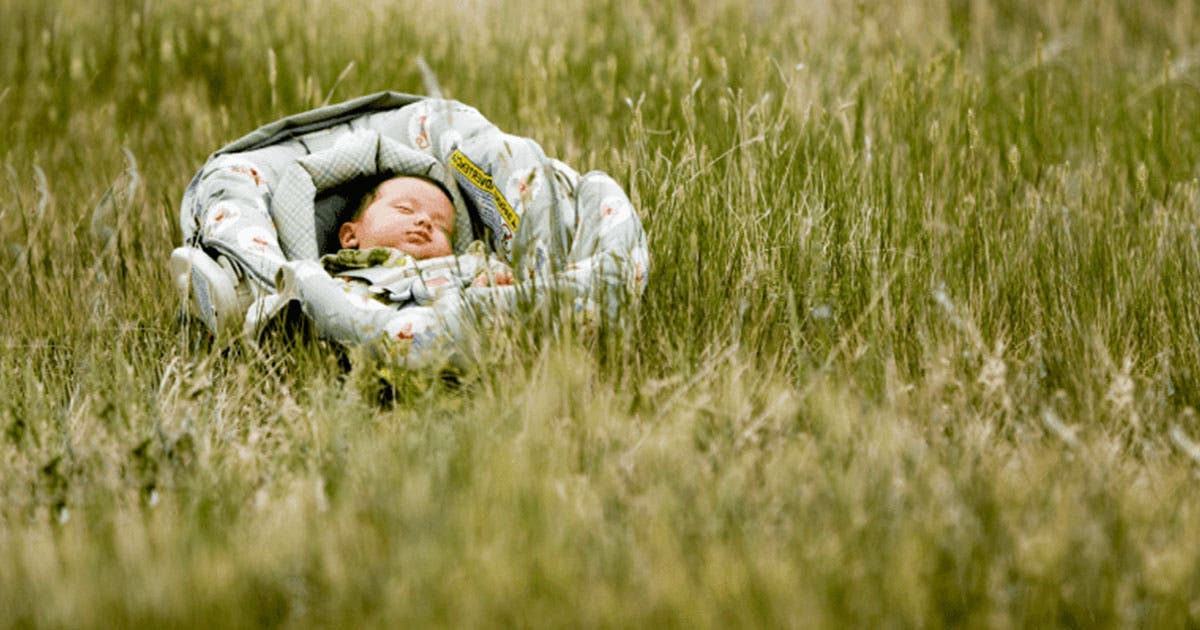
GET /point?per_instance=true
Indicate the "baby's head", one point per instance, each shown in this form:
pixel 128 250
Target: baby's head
pixel 410 214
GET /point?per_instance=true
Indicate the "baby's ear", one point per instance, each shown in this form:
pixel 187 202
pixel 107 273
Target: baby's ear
pixel 347 237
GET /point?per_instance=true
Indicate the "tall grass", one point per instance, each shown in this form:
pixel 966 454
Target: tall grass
pixel 921 344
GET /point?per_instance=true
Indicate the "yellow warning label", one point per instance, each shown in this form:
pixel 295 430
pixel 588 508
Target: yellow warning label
pixel 483 181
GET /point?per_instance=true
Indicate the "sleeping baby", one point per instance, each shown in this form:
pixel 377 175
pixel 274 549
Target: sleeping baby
pixel 397 246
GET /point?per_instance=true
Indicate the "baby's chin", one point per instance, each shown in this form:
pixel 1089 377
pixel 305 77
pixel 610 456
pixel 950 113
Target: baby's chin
pixel 425 253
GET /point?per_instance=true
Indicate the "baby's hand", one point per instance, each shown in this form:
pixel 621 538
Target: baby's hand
pixel 497 279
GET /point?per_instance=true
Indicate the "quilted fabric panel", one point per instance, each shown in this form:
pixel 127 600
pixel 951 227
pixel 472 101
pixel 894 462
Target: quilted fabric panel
pixel 292 212
pixel 354 155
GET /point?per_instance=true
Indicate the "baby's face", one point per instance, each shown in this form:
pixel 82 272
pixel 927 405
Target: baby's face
pixel 407 213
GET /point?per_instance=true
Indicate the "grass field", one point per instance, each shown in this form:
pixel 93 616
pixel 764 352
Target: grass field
pixel 921 344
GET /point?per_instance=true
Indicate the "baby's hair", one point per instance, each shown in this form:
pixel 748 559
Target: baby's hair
pixel 371 192
pixel 369 195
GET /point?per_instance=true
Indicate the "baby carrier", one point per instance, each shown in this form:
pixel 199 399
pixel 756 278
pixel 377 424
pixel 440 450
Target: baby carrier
pixel 263 209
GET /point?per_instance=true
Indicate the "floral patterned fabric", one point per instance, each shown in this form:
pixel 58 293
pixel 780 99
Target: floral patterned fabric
pixel 558 230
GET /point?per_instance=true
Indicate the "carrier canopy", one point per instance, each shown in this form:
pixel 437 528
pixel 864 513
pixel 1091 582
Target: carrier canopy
pixel 356 161
pixel 325 117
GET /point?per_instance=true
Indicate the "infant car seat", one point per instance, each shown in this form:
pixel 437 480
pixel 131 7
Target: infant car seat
pixel 263 209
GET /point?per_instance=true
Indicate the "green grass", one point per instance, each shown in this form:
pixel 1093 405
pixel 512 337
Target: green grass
pixel 921 345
